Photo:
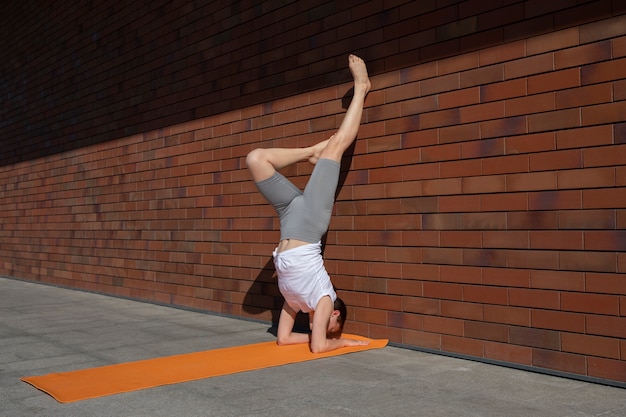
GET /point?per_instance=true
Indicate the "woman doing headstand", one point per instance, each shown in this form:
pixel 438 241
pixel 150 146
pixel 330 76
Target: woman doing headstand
pixel 304 219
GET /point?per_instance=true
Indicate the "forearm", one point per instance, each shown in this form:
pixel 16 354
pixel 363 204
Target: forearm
pixel 293 339
pixel 327 345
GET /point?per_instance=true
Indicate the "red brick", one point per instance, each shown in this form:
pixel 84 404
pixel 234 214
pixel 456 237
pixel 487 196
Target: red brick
pixel 604 71
pixel 458 169
pixel 418 72
pixel 483 184
pixel 441 186
pixel 531 104
pixel 607 369
pixel 457 63
pixel 404 287
pixel 440 118
pixel 503 90
pixel 558 280
pixel 539 338
pixel 504 202
pixel 508 353
pixel 556 160
pixel 558 320
pixel 486 331
pixel 584 137
pixel 461 310
pixel 559 361
pixel 604 198
pixel 402 189
pixel 419 138
pixel 504 127
pixel 462 345
pixel 420 272
pixel 531 181
pixel 445 291
pixel 603 29
pixel 460 133
pixel 446 221
pixel 554 240
pixel 536 64
pixel 501 16
pixel 483 294
pixel 402 125
pixel 606 326
pixel 502 53
pixel 505 239
pixel 604 113
pixel 588 261
pixel 367 315
pixel 587 219
pixel 590 303
pixel 480 221
pixel 555 200
pixel 605 283
pixel 440 84
pixel 530 143
pixel 517 316
pixel 605 240
pixel 423 339
pixel 443 325
pixel 399 254
pixel 404 320
pixel 481 76
pixel 402 92
pixel 587 178
pixel 481 112
pixel 421 305
pixel 554 81
pixel 590 345
pixel 534 298
pixel 619 47
pixel 619 133
pixel 459 98
pixel 560 119
pixel 552 41
pixel 384 302
pixel 585 54
pixel 445 152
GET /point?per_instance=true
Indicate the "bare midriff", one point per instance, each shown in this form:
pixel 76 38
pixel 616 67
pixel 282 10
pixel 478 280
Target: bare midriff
pixel 287 244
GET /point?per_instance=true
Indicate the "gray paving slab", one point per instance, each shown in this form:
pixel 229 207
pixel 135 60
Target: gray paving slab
pixel 46 329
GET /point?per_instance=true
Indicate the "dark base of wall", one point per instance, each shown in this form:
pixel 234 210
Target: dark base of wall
pixel 509 365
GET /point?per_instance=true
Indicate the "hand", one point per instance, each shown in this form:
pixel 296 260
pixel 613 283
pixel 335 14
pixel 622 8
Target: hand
pixel 353 342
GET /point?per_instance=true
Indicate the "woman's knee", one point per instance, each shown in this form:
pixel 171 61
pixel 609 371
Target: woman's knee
pixel 255 157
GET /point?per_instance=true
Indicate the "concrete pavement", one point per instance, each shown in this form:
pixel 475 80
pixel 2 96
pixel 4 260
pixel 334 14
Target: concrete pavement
pixel 45 329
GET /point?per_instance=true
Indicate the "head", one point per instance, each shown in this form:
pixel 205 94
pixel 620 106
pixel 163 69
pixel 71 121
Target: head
pixel 337 319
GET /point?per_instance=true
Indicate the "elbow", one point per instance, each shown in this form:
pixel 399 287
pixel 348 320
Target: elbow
pixel 283 340
pixel 317 348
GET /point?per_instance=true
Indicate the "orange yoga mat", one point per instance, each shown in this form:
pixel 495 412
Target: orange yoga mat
pixel 83 384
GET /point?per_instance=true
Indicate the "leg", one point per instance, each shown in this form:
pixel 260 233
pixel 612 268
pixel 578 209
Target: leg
pixel 262 163
pixel 340 141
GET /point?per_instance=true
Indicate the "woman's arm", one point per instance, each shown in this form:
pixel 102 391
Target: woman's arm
pixel 285 333
pixel 319 340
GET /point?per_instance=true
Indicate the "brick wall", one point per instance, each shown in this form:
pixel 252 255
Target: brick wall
pixel 481 213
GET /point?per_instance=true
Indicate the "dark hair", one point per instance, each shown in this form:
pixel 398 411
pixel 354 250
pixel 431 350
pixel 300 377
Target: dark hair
pixel 343 312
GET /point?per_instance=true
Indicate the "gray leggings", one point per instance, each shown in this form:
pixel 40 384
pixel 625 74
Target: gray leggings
pixel 303 215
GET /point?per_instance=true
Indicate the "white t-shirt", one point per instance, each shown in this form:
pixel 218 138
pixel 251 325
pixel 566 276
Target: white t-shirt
pixel 302 278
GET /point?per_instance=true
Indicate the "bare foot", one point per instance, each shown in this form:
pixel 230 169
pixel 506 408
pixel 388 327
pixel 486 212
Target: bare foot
pixel 359 73
pixel 317 151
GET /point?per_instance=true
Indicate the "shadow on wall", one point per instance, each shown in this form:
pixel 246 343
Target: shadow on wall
pixel 154 82
pixel 260 297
